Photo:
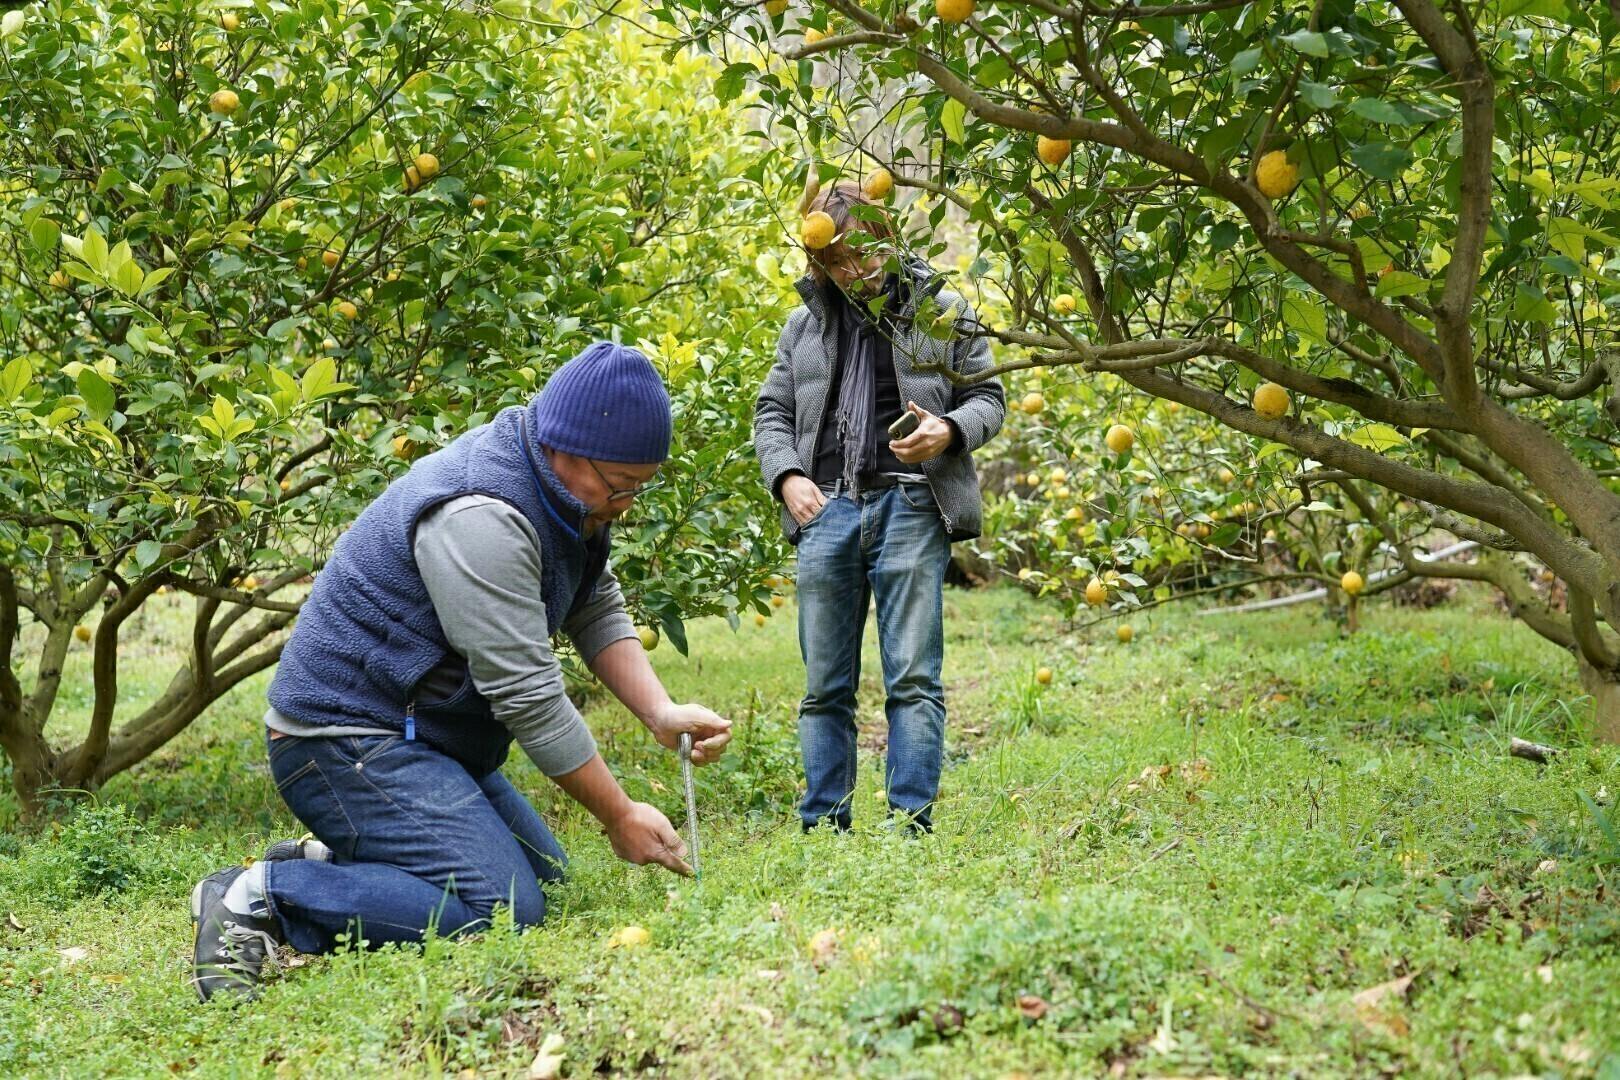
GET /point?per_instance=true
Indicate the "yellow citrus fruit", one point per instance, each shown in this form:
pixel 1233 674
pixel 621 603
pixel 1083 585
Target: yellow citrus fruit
pixel 413 178
pixel 1270 400
pixel 811 36
pixel 777 601
pixel 1058 476
pixel 427 166
pixel 303 263
pixel 817 230
pixel 82 633
pixel 1172 406
pixel 1025 574
pixel 1052 151
pixel 250 583
pixel 1064 304
pixel 329 344
pixel 1351 582
pixel 775 7
pixel 1074 513
pixel 629 937
pixel 60 280
pixel 1033 403
pixel 1275 175
pixel 880 183
pixel 649 638
pixel 1060 493
pixel 286 485
pixel 229 21
pixel 223 102
pixel 1124 633
pixel 953 11
pixel 1033 479
pixel 347 310
pixel 1044 676
pixel 402 446
pixel 1096 592
pixel 329 258
pixel 1227 476
pixel 759 620
pixel 1359 211
pixel 1120 438
pixel 479 202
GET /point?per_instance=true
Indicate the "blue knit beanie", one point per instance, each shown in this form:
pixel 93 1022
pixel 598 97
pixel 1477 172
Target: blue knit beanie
pixel 607 403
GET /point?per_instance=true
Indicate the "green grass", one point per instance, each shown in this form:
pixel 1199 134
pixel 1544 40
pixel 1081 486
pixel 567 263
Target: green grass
pixel 1337 814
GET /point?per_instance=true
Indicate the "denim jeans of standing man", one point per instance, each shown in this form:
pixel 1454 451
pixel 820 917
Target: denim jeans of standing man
pixel 416 841
pixel 889 545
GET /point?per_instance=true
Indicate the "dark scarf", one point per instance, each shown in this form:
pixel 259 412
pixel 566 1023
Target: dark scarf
pixel 864 334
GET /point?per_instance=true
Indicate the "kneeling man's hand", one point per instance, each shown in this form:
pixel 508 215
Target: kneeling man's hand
pixel 710 733
pixel 642 834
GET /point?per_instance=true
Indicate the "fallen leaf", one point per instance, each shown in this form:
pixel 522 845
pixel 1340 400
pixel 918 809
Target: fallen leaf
pixel 1196 772
pixel 548 1061
pixel 1547 866
pixel 776 912
pixel 1376 1007
pixel 74 954
pixel 768 974
pixel 11 921
pixel 1033 1006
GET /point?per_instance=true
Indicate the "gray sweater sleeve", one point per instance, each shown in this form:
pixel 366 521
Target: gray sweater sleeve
pixel 480 561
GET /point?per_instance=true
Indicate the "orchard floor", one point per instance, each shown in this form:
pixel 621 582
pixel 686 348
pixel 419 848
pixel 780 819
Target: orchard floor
pixel 1337 816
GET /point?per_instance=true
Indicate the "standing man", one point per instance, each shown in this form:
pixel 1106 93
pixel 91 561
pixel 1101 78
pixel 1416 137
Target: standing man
pixel 423 651
pixel 873 516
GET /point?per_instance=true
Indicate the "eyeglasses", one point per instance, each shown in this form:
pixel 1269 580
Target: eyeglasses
pixel 617 494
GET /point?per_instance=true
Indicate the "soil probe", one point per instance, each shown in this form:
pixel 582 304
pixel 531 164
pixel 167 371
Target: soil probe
pixel 691 799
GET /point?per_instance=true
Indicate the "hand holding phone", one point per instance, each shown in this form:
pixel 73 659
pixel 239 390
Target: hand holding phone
pixel 905 425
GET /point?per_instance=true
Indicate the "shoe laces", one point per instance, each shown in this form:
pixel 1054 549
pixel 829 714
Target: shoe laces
pixel 246 949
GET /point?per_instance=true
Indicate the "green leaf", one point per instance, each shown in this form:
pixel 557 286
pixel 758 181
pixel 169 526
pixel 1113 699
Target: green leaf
pixel 729 85
pixel 1377 437
pixel 1383 160
pixel 154 279
pixel 1305 315
pixel 1246 61
pixel 98 396
pixel 147 552
pixel 1567 237
pixel 44 233
pixel 951 118
pixel 1308 42
pixel 95 250
pixel 1532 305
pixel 1400 283
pixel 15 378
pixel 1319 95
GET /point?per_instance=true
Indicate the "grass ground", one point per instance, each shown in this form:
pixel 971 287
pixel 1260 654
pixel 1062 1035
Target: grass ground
pixel 1185 856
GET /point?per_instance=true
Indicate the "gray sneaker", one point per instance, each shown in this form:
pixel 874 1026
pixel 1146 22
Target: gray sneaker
pixel 230 949
pixel 305 847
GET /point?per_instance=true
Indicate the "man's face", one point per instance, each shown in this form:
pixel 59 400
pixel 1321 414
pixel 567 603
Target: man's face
pixel 606 487
pixel 858 269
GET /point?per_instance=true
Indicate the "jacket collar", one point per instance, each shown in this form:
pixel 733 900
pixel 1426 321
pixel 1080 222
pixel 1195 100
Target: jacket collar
pixel 558 501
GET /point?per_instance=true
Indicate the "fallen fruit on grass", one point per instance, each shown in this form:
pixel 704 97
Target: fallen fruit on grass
pixel 823 947
pixel 629 937
pixel 1044 676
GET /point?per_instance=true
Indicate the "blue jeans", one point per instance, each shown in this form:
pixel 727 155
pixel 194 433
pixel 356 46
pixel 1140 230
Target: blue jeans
pixel 890 544
pixel 416 841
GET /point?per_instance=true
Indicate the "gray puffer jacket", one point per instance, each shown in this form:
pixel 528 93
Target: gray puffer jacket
pixel 787 417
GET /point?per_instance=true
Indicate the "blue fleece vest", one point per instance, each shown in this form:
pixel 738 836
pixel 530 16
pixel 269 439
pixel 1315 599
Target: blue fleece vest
pixel 368 632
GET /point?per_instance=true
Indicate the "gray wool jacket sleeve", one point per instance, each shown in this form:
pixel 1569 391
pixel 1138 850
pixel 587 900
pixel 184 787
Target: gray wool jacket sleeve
pixel 480 560
pixel 774 413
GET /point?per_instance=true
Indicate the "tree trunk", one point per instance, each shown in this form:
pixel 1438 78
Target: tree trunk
pixel 1604 686
pixel 33 765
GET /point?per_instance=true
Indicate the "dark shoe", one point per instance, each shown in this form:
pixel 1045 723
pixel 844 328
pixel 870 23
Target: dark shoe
pixel 230 950
pixel 305 847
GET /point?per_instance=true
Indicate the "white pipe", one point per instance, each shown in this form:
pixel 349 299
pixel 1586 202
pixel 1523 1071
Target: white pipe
pixel 1318 594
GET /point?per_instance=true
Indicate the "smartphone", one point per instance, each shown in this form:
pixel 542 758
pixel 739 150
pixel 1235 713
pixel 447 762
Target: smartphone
pixel 903 426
